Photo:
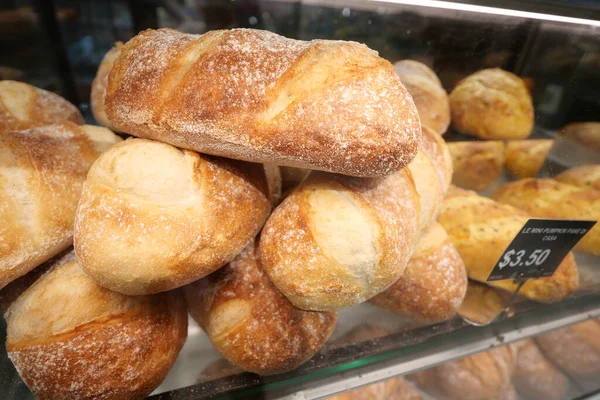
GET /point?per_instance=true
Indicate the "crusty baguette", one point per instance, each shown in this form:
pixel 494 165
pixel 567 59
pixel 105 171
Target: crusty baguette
pixel 99 86
pixel 72 339
pixel 524 158
pixel 434 282
pixel 535 377
pixel 42 171
pixel 427 92
pixel 574 349
pixel 250 323
pixel 481 229
pixel 548 198
pixel 257 96
pixel 586 133
pixel 477 165
pixel 492 104
pixel 152 217
pixel 585 176
pixel 23 106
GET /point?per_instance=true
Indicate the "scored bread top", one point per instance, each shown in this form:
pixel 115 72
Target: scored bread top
pixel 257 96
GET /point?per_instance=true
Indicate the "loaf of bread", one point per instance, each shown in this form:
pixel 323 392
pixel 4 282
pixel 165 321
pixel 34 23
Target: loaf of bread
pixel 524 158
pixel 99 86
pixel 548 198
pixel 250 323
pixel 42 171
pixel 477 165
pixel 433 284
pixel 585 176
pixel 492 104
pixel 72 339
pixel 535 377
pixel 585 133
pixel 481 229
pixel 257 96
pixel 391 389
pixel 427 92
pixel 574 349
pixel 23 106
pixel 482 376
pixel 152 217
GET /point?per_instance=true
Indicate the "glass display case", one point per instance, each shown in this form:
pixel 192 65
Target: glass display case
pixel 507 98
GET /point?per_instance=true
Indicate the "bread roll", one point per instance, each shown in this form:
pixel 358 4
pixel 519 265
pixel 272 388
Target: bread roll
pixel 481 229
pixel 99 86
pixel 586 133
pixel 535 377
pixel 42 171
pixel 23 106
pixel 256 96
pixel 524 158
pixel 574 349
pixel 477 165
pixel 250 323
pixel 72 339
pixel 585 176
pixel 547 198
pixel 434 282
pixel 427 92
pixel 153 217
pixel 391 389
pixel 492 104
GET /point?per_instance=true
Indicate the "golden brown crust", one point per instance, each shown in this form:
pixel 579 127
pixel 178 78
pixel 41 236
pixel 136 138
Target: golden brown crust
pixel 105 353
pixel 152 217
pixel 250 323
pixel 434 282
pixel 481 229
pixel 23 106
pixel 492 104
pixel 99 86
pixel 524 158
pixel 427 92
pixel 585 176
pixel 256 96
pixel 42 171
pixel 548 198
pixel 586 133
pixel 477 165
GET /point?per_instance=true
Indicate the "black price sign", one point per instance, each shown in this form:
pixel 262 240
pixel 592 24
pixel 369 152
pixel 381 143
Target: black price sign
pixel 539 248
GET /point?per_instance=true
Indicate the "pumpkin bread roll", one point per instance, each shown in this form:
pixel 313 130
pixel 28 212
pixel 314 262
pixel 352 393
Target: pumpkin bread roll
pixel 524 158
pixel 586 133
pixel 477 165
pixel 585 176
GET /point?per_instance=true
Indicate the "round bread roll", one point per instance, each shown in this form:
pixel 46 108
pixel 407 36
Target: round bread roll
pixel 23 106
pixel 524 158
pixel 250 323
pixel 492 104
pixel 574 349
pixel 99 86
pixel 586 133
pixel 477 165
pixel 434 282
pixel 427 92
pixel 585 176
pixel 153 217
pixel 72 339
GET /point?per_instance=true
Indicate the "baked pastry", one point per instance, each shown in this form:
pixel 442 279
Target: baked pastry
pixel 548 198
pixel 250 323
pixel 257 96
pixel 482 304
pixel 152 217
pixel 477 165
pixel 481 229
pixel 524 158
pixel 574 349
pixel 585 133
pixel 94 343
pixel 434 282
pixel 427 92
pixel 99 86
pixel 23 106
pixel 535 377
pixel 492 104
pixel 585 176
pixel 42 171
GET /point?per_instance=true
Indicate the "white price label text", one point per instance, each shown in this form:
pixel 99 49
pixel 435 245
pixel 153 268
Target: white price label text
pixel 514 258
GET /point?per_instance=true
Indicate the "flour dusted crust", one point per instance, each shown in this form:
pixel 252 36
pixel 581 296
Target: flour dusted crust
pixel 95 343
pixel 477 165
pixel 524 158
pixel 42 171
pixel 251 323
pixel 153 217
pixel 257 96
pixel 434 282
pixel 23 106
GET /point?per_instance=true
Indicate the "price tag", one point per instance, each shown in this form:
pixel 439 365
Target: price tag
pixel 539 248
